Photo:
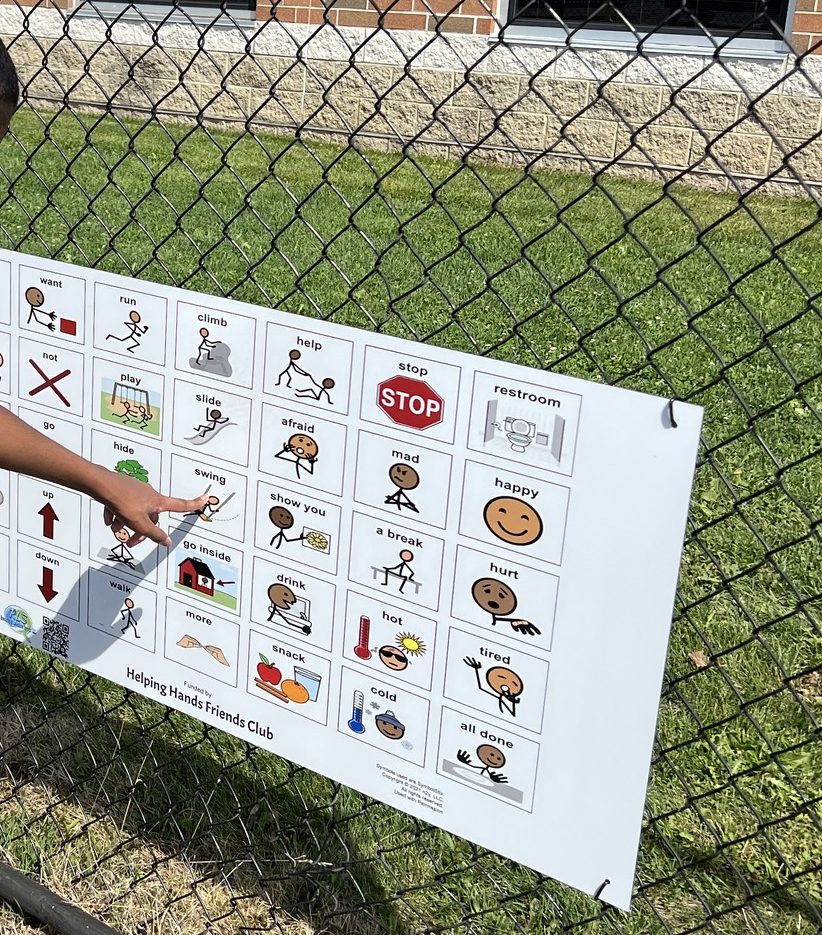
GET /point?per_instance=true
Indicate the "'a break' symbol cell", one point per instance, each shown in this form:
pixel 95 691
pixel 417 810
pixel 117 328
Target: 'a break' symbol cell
pixel 50 382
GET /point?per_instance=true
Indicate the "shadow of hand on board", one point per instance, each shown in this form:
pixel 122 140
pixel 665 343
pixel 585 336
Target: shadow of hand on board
pixel 231 812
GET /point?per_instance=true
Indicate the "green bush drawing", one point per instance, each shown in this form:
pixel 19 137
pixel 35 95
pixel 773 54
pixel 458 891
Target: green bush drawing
pixel 133 469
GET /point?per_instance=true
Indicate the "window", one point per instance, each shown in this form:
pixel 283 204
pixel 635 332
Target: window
pixel 752 18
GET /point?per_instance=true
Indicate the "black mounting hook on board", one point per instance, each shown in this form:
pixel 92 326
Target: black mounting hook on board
pixel 605 882
pixel 674 423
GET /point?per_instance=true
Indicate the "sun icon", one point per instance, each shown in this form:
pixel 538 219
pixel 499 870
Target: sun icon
pixel 413 645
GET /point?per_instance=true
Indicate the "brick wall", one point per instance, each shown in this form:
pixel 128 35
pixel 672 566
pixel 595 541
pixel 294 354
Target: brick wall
pixel 806 29
pixel 467 17
pixel 470 17
pixel 42 4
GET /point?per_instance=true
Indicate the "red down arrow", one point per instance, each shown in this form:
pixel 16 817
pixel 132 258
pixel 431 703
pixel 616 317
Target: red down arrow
pixel 49 519
pixel 47 587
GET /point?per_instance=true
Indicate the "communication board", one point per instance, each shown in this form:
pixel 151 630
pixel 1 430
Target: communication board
pixel 443 580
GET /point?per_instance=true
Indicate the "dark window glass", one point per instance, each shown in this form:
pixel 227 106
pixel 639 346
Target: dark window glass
pixel 718 17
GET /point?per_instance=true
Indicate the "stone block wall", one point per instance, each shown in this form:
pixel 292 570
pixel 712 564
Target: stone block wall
pixel 725 124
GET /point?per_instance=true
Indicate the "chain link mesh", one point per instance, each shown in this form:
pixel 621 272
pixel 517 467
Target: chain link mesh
pixel 644 217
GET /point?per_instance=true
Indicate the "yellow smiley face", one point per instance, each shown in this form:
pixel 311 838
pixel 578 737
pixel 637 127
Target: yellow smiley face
pixel 514 521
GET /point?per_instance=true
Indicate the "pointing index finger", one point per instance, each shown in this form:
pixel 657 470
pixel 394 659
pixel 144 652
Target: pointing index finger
pixel 145 527
pixel 177 505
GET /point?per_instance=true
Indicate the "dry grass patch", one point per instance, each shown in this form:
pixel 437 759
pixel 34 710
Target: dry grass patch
pixel 97 862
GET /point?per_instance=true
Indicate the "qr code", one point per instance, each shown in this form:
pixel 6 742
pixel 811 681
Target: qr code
pixel 56 638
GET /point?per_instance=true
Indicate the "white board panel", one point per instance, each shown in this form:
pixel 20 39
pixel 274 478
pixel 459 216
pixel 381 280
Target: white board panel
pixel 443 580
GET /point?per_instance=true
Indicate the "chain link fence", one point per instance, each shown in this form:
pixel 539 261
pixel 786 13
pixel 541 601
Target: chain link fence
pixel 626 192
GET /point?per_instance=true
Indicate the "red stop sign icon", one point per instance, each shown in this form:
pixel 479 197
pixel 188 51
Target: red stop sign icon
pixel 410 402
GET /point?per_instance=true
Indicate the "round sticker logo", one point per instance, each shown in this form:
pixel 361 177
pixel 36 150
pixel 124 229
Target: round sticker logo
pixel 18 620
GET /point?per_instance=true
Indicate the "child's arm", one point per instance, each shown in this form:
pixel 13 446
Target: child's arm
pixel 132 503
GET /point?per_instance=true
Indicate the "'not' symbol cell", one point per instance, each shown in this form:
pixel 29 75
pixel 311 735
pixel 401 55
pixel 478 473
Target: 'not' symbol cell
pixel 50 383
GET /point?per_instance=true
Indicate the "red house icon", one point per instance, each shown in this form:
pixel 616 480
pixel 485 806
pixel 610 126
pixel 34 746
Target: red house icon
pixel 196 575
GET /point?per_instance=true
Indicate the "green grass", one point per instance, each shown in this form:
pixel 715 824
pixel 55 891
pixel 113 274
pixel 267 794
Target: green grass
pixel 679 292
pixel 218 597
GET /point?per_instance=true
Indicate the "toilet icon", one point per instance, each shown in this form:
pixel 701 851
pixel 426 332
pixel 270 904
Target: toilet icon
pixel 520 433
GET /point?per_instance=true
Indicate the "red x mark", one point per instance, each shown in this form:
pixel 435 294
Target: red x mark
pixel 49 381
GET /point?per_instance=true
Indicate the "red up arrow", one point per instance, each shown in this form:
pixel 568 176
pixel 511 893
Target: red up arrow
pixel 47 587
pixel 49 519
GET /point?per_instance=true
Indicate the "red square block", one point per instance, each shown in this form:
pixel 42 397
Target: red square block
pixel 67 326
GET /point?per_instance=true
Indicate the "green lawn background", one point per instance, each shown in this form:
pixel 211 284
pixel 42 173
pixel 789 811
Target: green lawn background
pixel 675 291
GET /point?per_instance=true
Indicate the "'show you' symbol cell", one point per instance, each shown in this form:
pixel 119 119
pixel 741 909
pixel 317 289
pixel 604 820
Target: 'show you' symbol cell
pixel 302 529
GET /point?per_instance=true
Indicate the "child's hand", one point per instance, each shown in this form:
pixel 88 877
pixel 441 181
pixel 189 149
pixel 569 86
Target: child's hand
pixel 131 503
